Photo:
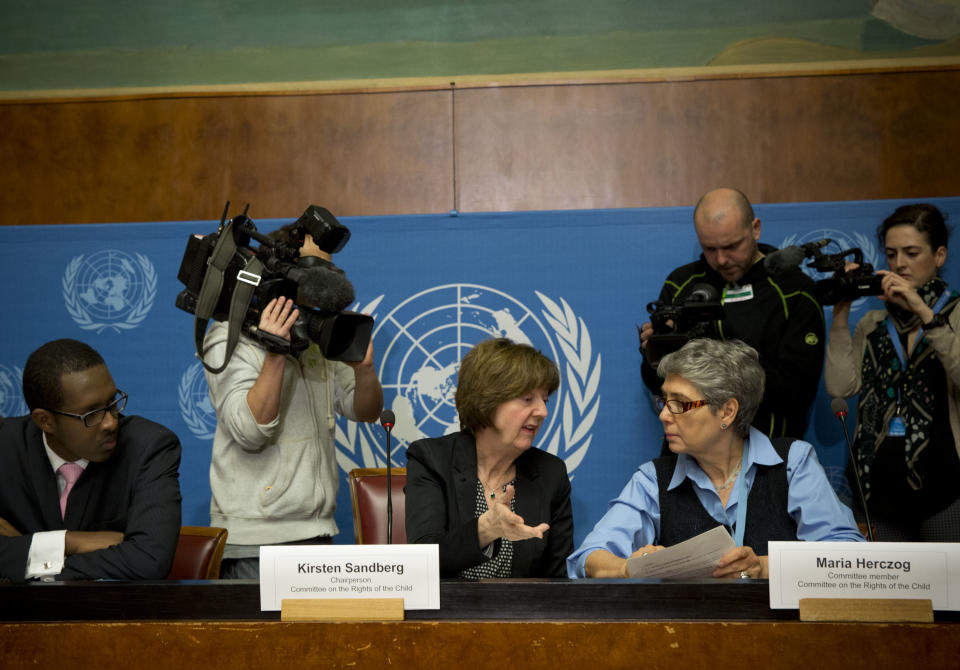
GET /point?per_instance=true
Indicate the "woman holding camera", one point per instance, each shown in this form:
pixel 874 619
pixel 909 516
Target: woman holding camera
pixel 904 361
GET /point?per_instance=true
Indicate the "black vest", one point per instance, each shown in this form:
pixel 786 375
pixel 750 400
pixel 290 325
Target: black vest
pixel 682 516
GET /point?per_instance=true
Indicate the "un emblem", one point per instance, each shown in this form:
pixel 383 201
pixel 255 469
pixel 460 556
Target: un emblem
pixel 195 406
pixel 11 393
pixel 109 289
pixel 844 241
pixel 420 343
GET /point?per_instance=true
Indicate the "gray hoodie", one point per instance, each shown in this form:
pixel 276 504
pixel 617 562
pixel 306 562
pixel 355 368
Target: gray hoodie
pixel 275 482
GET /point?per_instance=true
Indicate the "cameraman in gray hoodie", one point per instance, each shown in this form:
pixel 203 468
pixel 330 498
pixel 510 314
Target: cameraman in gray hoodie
pixel 273 474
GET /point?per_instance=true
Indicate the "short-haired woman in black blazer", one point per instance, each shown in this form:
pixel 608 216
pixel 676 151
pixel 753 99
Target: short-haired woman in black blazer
pixel 497 506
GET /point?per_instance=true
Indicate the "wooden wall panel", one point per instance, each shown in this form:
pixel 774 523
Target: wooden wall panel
pixel 838 136
pixel 808 138
pixel 180 159
pixel 440 645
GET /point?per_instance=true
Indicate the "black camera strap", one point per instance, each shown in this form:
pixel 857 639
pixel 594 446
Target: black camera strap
pixel 220 257
pixel 247 280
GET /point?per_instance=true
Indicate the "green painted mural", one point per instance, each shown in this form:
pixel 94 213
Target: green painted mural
pixel 93 44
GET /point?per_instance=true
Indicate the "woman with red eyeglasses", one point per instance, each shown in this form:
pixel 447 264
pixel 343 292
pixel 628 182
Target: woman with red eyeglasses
pixel 719 471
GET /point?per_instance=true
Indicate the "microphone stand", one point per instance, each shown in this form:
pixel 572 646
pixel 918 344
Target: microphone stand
pixel 842 415
pixel 390 494
pixel 387 420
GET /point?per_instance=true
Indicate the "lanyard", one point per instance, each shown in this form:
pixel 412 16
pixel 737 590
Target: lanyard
pixel 742 493
pixel 895 337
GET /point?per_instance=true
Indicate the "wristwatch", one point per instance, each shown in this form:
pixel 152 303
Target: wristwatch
pixel 937 321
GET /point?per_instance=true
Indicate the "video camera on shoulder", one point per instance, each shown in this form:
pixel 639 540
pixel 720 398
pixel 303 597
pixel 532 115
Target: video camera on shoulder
pixel 676 324
pixel 227 279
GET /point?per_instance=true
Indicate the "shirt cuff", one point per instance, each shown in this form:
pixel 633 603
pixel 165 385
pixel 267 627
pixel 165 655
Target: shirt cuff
pixel 46 555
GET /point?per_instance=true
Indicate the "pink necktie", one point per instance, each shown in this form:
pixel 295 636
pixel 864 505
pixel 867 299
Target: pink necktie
pixel 71 473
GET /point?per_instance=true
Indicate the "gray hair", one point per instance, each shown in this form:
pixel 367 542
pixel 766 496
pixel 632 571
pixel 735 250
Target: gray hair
pixel 720 370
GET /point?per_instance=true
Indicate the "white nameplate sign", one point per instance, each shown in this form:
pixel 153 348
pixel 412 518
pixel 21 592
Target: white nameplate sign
pixel 904 570
pixel 408 571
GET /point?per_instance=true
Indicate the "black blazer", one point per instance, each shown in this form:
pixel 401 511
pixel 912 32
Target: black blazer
pixel 136 491
pixel 441 494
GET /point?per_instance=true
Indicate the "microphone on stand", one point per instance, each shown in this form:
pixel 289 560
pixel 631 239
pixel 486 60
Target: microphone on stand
pixel 839 408
pixel 387 419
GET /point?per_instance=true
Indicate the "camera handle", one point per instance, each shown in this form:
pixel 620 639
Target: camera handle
pixel 247 280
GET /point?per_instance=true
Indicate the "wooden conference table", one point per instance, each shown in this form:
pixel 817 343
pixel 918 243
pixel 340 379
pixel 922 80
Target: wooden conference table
pixel 496 625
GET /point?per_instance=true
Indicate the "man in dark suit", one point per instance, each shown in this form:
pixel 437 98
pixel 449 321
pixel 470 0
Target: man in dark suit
pixel 85 493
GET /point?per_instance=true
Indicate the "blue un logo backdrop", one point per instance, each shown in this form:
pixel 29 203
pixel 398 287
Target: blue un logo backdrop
pixel 109 289
pixel 573 284
pixel 423 339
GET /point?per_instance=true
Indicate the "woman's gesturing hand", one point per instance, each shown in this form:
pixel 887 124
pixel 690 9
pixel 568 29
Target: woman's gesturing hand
pixel 499 521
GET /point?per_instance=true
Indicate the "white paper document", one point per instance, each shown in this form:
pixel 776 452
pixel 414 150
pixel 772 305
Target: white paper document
pixel 691 559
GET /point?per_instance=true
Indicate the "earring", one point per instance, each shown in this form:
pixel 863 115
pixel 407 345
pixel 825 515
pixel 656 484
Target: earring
pixel 723 426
